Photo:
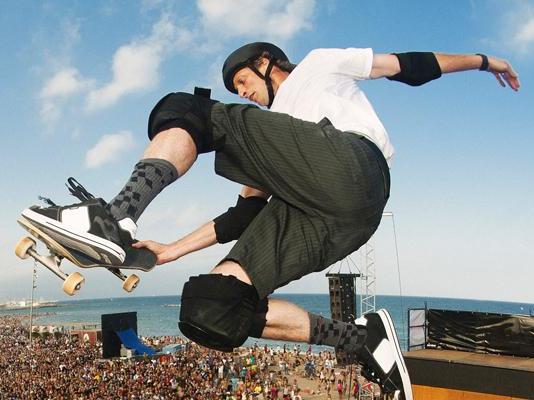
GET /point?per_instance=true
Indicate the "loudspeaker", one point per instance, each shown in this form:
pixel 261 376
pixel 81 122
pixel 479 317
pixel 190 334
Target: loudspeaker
pixel 342 288
pixel 111 323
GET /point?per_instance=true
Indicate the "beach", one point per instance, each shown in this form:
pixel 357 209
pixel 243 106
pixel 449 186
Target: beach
pixel 65 369
pixel 59 367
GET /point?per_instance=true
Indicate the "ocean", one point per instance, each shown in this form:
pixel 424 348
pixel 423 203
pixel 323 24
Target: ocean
pixel 158 315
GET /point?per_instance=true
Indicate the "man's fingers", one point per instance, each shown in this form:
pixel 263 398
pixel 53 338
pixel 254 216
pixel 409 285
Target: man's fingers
pixel 513 80
pixel 504 73
pixel 147 244
pixel 142 243
pixel 498 77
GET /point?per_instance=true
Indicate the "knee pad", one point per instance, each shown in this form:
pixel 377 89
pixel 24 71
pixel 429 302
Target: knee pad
pixel 259 319
pixel 217 311
pixel 186 111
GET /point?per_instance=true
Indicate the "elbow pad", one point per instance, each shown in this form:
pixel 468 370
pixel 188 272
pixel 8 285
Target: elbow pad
pixel 230 225
pixel 417 68
pixel 191 112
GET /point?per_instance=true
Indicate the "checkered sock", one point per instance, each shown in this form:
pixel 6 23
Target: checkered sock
pixel 342 336
pixel 150 176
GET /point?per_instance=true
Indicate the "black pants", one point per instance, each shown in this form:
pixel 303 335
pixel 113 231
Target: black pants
pixel 329 189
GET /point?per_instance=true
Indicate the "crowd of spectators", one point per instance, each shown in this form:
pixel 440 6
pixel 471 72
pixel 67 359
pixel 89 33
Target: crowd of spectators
pixel 60 367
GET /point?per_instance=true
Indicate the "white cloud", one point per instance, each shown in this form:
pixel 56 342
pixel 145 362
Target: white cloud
pixel 272 19
pixel 524 35
pixel 136 65
pixel 109 148
pixel 517 29
pixel 64 83
pixel 57 89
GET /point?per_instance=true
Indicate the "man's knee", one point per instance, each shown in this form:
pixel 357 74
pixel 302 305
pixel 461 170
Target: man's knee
pixel 189 112
pixel 231 267
pixel 219 311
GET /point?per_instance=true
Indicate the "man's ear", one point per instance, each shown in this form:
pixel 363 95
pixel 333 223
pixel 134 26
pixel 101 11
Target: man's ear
pixel 263 62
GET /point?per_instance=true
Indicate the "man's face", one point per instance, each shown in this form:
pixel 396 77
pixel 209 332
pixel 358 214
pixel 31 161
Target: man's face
pixel 251 86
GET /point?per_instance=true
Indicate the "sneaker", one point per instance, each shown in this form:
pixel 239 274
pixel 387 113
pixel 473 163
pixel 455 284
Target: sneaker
pixel 381 357
pixel 86 226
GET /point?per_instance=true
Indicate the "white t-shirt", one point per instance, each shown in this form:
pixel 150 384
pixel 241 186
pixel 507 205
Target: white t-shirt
pixel 324 85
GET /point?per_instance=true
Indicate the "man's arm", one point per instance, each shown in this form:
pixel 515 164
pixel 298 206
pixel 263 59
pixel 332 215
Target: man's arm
pixel 247 191
pixel 231 224
pixel 197 240
pixel 201 238
pixel 389 66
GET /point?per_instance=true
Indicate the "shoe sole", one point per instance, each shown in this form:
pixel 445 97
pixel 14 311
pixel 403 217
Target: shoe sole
pixel 395 347
pixel 85 242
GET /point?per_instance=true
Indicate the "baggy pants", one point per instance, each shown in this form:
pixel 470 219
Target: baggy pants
pixel 329 189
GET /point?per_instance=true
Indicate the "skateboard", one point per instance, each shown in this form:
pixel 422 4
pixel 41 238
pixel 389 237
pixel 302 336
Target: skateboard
pixel 138 259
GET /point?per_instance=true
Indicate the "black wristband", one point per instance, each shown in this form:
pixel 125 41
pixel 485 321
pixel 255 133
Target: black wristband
pixel 485 63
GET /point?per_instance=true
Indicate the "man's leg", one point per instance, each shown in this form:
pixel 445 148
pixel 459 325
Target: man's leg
pixel 370 340
pixel 103 231
pixel 289 322
pixel 169 155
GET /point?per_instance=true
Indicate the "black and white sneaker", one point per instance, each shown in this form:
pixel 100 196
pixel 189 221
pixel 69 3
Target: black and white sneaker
pixel 85 226
pixel 381 357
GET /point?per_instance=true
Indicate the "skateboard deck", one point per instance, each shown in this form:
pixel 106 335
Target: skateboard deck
pixel 139 259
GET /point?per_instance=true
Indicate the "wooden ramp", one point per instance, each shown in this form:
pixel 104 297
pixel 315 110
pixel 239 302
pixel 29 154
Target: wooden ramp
pixel 458 375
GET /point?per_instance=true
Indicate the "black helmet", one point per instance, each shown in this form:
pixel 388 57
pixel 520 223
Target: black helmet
pixel 245 57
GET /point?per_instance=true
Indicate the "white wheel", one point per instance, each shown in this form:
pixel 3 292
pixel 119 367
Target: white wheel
pixel 23 245
pixel 130 283
pixel 73 283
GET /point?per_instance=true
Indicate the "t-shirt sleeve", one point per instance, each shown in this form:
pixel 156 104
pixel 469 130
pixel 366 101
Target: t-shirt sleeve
pixel 352 61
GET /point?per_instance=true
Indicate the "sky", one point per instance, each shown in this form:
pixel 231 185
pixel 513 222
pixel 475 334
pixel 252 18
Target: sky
pixel 78 80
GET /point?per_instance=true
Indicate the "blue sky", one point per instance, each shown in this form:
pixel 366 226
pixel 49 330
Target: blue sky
pixel 79 78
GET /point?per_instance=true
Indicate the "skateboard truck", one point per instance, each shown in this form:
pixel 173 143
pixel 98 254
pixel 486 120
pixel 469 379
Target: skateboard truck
pixel 26 247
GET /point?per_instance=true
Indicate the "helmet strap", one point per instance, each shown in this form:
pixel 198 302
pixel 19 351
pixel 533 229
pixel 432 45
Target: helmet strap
pixel 269 83
pixel 267 79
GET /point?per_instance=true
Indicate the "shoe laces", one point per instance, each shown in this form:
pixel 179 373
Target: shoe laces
pixel 77 190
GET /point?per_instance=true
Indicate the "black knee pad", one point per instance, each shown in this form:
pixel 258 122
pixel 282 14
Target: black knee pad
pixel 259 319
pixel 186 111
pixel 217 311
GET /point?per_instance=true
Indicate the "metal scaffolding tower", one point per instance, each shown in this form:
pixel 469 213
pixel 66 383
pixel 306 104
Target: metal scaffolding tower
pixel 367 287
pixel 368 279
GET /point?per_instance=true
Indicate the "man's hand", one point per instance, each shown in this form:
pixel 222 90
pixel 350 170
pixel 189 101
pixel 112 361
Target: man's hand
pixel 165 252
pixel 503 72
pixel 197 240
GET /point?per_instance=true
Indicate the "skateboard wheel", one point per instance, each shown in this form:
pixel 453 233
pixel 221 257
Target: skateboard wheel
pixel 23 245
pixel 73 283
pixel 130 283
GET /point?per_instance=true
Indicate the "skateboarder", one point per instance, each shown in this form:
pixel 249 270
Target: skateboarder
pixel 328 183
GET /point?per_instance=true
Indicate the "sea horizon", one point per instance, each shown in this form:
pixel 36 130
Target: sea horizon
pixel 158 315
pixel 276 295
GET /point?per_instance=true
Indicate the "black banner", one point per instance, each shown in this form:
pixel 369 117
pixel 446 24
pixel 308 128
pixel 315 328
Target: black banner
pixel 481 332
